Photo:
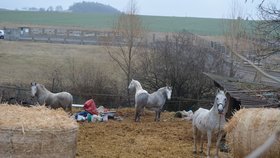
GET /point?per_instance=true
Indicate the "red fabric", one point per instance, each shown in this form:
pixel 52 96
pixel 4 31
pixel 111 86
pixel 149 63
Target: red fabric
pixel 90 107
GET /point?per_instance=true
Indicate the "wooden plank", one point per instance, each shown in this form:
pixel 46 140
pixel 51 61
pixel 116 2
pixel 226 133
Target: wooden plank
pixel 77 105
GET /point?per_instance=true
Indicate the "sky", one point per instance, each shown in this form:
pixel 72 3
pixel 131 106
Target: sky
pixel 181 8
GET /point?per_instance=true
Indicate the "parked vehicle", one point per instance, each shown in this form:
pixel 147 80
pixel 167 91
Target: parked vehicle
pixel 2 34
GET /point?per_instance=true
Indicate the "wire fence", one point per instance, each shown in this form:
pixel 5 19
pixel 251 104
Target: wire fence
pixel 21 95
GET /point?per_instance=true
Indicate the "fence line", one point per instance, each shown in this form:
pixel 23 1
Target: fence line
pixel 21 95
pixel 94 37
pixel 66 36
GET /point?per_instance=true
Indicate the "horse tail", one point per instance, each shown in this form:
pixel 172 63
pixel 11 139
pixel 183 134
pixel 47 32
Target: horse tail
pixel 142 99
pixel 189 115
pixel 70 103
pixel 140 102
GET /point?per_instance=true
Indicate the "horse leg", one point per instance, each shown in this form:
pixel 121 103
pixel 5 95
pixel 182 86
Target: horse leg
pixel 209 136
pixel 194 139
pixel 221 133
pixel 69 109
pixel 137 116
pixel 136 113
pixel 201 143
pixel 139 110
pixel 157 116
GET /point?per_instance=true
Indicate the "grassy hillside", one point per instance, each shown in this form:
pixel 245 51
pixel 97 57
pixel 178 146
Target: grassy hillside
pixel 24 62
pixel 98 21
pixel 201 26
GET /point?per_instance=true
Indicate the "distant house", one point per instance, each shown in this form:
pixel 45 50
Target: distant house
pixel 244 94
pixel 24 30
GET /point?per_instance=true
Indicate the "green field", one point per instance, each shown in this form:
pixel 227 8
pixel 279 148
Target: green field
pixel 200 26
pixel 23 62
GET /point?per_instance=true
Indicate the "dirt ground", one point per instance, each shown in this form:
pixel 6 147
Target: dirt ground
pixel 171 137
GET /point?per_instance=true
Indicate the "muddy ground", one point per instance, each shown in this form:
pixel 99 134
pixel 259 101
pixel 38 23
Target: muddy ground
pixel 169 138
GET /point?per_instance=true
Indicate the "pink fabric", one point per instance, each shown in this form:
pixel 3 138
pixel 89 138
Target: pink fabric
pixel 90 107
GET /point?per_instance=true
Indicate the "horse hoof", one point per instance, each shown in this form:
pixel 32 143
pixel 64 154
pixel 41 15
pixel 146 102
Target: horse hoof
pixel 194 152
pixel 200 151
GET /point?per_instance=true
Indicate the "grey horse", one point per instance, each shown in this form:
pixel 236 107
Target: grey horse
pixel 154 101
pixel 157 99
pixel 54 100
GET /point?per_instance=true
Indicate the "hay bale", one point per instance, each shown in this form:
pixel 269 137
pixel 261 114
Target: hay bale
pixel 36 132
pixel 250 128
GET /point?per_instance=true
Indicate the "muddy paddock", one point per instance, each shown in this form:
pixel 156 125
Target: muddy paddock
pixel 171 137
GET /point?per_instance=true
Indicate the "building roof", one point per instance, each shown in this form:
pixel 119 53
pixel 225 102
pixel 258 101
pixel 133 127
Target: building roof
pixel 250 94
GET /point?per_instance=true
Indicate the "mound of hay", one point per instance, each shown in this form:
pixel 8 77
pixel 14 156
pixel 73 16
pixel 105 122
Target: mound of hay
pixel 250 128
pixel 36 132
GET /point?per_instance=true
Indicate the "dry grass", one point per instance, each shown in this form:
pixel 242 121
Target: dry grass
pixel 36 132
pixel 34 118
pixel 171 137
pixel 23 62
pixel 249 128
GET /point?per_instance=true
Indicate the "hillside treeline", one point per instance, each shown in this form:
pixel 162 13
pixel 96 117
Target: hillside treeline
pixel 92 7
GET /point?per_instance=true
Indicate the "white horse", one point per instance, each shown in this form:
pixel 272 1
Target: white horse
pixel 141 97
pixel 210 122
pixel 54 100
pixel 139 90
pixel 154 101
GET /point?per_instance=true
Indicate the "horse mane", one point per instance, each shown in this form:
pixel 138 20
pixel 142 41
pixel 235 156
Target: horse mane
pixel 137 82
pixel 162 90
pixel 42 87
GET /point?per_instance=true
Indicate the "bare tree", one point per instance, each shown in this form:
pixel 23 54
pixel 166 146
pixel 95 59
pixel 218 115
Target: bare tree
pixel 241 43
pixel 130 30
pixel 269 26
pixel 235 35
pixel 58 8
pixel 177 61
pixel 265 36
pixel 85 79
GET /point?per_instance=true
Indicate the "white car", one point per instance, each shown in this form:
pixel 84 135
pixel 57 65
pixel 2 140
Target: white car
pixel 2 34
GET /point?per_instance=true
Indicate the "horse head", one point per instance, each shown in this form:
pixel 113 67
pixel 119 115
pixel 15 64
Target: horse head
pixel 134 84
pixel 33 89
pixel 168 92
pixel 221 102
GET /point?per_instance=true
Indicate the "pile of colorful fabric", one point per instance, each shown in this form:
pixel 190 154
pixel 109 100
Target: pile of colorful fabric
pixel 93 114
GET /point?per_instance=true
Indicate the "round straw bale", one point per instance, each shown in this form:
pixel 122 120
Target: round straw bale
pixel 250 128
pixel 36 132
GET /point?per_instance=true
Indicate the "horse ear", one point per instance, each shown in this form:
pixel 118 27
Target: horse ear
pixel 218 91
pixel 33 83
pixel 226 92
